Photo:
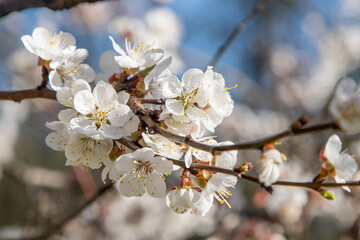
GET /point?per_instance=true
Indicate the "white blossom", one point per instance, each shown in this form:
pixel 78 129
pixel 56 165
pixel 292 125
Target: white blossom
pixel 89 152
pixel 102 114
pixel 180 200
pixel 345 106
pixel 66 71
pixel 163 146
pixel 137 56
pixel 200 96
pixel 143 171
pixel 79 149
pixel 269 166
pixel 344 164
pixel 48 45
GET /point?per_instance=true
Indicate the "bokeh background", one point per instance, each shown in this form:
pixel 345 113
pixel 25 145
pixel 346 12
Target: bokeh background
pixel 285 64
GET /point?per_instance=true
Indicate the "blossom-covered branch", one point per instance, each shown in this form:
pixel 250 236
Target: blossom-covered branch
pixel 110 126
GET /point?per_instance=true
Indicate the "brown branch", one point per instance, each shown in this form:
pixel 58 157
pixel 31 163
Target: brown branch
pixel 38 92
pixel 138 108
pixel 8 6
pixel 58 227
pixel 159 101
pixel 238 29
pixel 310 185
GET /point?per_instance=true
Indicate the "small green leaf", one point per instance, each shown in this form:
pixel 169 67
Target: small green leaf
pixel 146 71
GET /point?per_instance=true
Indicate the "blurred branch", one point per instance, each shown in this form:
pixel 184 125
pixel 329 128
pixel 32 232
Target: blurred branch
pixel 238 29
pixel 8 6
pixel 58 227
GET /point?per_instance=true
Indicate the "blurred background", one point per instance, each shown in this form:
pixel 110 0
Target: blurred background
pixel 285 64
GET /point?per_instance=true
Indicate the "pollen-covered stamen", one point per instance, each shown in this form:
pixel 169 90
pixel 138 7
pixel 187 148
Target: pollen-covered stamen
pixel 189 98
pixel 56 38
pixel 137 50
pixel 142 168
pixel 222 194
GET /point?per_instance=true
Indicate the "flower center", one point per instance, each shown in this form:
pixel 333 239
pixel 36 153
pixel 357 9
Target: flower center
pixel 142 168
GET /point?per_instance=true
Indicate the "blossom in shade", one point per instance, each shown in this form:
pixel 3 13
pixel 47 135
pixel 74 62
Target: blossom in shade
pixel 163 146
pixel 269 165
pixel 345 106
pixel 79 149
pixel 180 200
pixel 143 171
pixel 48 45
pixel 339 165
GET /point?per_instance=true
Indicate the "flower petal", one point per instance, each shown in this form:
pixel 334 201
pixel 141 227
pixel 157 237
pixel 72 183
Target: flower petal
pixel 155 185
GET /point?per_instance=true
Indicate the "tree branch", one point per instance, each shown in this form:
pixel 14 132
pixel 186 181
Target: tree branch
pixel 295 129
pixel 310 185
pixel 8 6
pixel 39 92
pixel 238 29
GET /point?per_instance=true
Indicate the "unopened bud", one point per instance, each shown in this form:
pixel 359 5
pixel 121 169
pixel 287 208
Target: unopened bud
pixel 329 195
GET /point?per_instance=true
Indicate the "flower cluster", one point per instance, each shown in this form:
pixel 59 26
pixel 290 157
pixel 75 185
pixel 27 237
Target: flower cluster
pixel 98 119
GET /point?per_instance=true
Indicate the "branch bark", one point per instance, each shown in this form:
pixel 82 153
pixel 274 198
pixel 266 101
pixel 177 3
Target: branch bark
pixel 17 96
pixel 8 6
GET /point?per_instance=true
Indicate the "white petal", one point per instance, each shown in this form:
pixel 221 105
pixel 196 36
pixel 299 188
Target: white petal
pixel 65 96
pixel 56 141
pixel 123 97
pixel 188 158
pixel 130 185
pixel 116 47
pixel 143 154
pixel 175 106
pixel 67 114
pixel 346 166
pixel 125 163
pixel 152 57
pixel 105 96
pixel 332 148
pixel 188 77
pixel 84 102
pixel 107 63
pixel 126 62
pixel 155 185
pixel 162 165
pixel 55 80
pixel 120 115
pixel 341 180
pixel 111 132
pixel 195 114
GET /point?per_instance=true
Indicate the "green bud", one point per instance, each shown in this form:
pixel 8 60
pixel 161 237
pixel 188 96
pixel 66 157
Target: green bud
pixel 329 195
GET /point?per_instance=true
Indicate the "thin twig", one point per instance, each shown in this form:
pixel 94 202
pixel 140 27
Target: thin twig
pixel 238 29
pixel 159 101
pixel 58 227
